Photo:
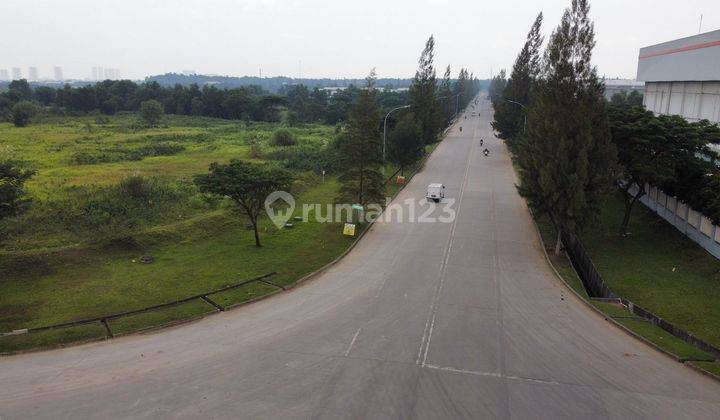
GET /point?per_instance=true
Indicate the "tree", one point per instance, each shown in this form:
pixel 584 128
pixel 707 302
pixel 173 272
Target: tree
pixel 645 156
pixel 406 146
pixel 566 158
pixel 12 188
pixel 246 184
pixel 22 112
pixel 360 176
pixel 509 118
pixel 151 112
pixel 446 97
pixel 423 98
pixel 497 87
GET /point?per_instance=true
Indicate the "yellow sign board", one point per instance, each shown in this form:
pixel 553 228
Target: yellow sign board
pixel 349 229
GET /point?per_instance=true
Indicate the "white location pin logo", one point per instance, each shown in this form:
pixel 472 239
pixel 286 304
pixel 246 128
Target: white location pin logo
pixel 279 217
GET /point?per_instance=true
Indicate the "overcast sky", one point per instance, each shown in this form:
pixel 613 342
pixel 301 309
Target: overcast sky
pixel 331 38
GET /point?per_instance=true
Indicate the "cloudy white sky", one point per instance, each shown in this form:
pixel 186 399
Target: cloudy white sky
pixel 331 38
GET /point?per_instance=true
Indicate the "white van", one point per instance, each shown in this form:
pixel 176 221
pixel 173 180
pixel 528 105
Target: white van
pixel 435 192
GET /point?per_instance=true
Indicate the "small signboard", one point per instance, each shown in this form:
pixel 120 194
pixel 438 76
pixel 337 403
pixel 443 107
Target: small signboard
pixel 401 180
pixel 349 229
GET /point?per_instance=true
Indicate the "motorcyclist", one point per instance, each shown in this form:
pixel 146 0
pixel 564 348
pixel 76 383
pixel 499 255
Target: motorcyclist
pixel 461 129
pixel 486 152
pixel 481 142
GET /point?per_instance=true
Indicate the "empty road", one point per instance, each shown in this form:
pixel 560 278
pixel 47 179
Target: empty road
pixel 420 320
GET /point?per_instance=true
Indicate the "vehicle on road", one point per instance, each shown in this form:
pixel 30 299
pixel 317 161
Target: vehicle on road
pixel 435 192
pixel 486 152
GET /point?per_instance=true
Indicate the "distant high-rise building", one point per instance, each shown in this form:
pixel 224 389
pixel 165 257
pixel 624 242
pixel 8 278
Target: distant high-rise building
pixel 16 73
pixel 32 74
pixel 101 73
pixel 109 74
pixel 57 73
pixel 94 74
pixel 4 76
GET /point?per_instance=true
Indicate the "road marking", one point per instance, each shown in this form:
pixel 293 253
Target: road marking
pixel 491 374
pixel 347 352
pixel 430 322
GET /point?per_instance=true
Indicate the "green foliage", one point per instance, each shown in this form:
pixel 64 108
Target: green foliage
pixel 509 118
pixel 360 151
pixel 423 95
pixel 151 112
pixel 12 188
pixel 406 146
pixel 497 87
pixel 308 157
pixel 645 155
pixel 119 154
pixel 283 137
pixel 247 185
pixel 22 112
pixel 625 100
pixel 566 158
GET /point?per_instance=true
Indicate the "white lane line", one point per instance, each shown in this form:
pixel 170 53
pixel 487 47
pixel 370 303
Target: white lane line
pixel 352 342
pixel 491 374
pixel 430 323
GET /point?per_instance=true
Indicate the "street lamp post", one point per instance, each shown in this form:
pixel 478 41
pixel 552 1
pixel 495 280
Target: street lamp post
pixel 524 114
pixel 385 128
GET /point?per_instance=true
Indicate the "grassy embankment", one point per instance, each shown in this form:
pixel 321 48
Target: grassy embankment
pixel 657 268
pixel 56 269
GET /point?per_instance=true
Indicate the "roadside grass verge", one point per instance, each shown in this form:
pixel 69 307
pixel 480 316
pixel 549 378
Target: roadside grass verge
pixel 639 268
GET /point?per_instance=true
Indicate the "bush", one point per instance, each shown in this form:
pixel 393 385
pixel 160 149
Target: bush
pixel 308 157
pixel 283 138
pixel 151 112
pixel 22 112
pixel 100 213
pixel 121 154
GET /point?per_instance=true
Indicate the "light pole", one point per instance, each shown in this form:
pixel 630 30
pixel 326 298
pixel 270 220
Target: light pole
pixel 524 114
pixel 385 129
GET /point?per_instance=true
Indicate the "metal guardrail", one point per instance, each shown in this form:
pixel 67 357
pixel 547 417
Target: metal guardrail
pixel 103 320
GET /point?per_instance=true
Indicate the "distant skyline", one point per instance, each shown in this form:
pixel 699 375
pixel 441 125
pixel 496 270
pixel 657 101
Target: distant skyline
pixel 318 38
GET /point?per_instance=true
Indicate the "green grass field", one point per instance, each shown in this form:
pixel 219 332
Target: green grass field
pixel 52 273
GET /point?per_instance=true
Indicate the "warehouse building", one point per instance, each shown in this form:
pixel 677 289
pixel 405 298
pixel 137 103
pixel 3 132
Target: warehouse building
pixel 682 77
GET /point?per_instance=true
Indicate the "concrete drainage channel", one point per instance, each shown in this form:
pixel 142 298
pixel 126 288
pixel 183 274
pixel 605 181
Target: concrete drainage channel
pixel 598 291
pixel 104 320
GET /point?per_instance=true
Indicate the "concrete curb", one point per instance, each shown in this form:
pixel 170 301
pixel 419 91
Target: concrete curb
pixel 610 319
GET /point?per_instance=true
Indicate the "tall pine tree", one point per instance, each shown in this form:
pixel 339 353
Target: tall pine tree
pixel 423 95
pixel 510 111
pixel 566 158
pixel 360 151
pixel 445 94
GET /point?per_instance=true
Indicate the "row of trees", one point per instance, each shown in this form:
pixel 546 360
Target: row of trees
pixel 427 107
pixel 249 102
pixel 573 147
pixel 359 146
pixel 552 114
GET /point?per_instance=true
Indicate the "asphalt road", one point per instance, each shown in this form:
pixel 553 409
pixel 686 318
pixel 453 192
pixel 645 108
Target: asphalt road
pixel 420 320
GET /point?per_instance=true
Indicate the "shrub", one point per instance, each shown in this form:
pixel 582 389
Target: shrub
pixel 151 112
pixel 22 112
pixel 283 137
